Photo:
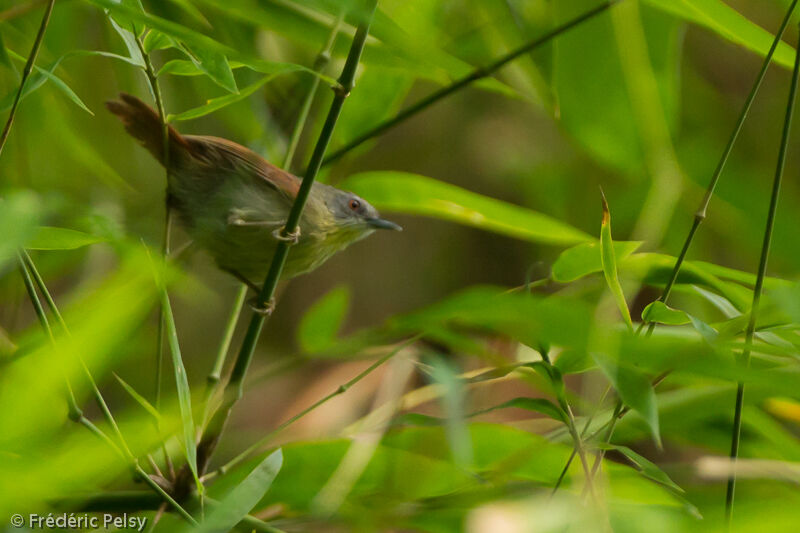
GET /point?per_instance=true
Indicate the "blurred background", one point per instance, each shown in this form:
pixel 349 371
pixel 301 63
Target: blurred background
pixel 640 106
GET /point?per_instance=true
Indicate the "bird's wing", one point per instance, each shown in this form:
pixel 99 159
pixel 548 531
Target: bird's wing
pixel 217 153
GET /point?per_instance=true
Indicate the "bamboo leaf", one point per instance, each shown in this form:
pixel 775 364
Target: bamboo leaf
pixel 634 388
pixel 215 65
pixel 215 104
pixel 156 40
pixel 238 502
pixel 539 405
pixel 661 313
pixel 609 263
pixel 319 326
pixel 728 23
pixel 419 195
pixel 585 258
pixel 141 400
pixel 51 238
pixel 182 386
pixel 648 469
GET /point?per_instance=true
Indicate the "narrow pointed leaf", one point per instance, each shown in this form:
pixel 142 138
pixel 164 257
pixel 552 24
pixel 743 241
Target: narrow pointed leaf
pixel 609 262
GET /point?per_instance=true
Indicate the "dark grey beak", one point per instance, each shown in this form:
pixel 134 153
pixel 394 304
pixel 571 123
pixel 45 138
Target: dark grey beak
pixel 380 223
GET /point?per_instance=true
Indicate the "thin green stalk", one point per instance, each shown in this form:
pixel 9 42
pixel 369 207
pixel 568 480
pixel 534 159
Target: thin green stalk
pixel 322 60
pixel 234 387
pixel 213 379
pixel 74 411
pixel 152 78
pixel 164 495
pixel 262 443
pixel 701 213
pixel 477 74
pixel 30 269
pixel 37 43
pixel 762 271
pixel 702 210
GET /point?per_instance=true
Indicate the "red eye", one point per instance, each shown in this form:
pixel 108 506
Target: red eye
pixel 355 205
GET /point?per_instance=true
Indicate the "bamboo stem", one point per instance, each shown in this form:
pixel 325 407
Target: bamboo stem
pixel 234 388
pixel 37 43
pixel 762 271
pixel 477 74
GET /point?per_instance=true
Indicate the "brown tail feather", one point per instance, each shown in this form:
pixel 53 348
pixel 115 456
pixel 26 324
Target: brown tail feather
pixel 143 124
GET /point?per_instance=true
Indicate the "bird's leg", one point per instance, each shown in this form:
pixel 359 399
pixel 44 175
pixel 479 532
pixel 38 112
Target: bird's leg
pixel 255 288
pixel 265 310
pixel 247 217
pixel 253 302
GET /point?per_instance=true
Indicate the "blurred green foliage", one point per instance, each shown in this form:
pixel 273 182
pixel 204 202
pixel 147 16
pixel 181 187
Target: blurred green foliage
pixel 505 294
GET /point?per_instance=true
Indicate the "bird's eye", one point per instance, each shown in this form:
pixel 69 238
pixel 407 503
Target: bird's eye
pixel 355 205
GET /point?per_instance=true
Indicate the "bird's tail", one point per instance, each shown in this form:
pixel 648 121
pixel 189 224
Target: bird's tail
pixel 143 124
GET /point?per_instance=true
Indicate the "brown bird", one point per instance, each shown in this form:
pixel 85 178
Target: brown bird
pixel 234 203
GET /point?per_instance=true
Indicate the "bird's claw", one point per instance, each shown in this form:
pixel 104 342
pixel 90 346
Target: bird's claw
pixel 291 238
pixel 262 309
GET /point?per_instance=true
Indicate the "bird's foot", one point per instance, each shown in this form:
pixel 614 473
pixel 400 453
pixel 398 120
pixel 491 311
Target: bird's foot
pixel 262 309
pixel 291 238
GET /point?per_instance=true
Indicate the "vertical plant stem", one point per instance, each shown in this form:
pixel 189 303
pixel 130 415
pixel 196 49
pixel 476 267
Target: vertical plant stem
pixel 702 210
pixel 152 78
pixel 701 213
pixel 29 64
pixel 322 60
pixel 30 269
pixel 762 271
pixel 234 387
pixel 477 74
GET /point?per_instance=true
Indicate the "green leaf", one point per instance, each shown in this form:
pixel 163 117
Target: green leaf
pixel 728 23
pixel 50 238
pixel 585 258
pixel 215 104
pixel 238 502
pixel 155 40
pixel 609 261
pixel 182 386
pixel 634 388
pixel 318 328
pixel 648 469
pixel 215 65
pixel 38 79
pixel 129 39
pixel 141 400
pixel 419 195
pixel 661 313
pixel 539 405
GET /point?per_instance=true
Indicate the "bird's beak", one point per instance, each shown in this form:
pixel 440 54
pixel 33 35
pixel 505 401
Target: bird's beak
pixel 380 223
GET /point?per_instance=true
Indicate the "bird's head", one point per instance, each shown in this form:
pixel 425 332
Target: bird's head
pixel 352 213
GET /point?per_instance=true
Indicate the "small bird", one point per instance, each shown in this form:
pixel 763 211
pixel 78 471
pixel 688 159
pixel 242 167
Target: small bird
pixel 234 203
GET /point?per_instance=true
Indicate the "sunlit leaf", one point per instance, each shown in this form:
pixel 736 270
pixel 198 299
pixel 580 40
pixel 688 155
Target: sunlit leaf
pixel 609 262
pixel 585 258
pixel 647 467
pixel 661 313
pixel 418 195
pixel 51 238
pixel 728 23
